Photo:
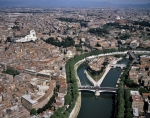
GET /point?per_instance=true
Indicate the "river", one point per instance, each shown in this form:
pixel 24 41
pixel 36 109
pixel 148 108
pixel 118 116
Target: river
pixel 104 105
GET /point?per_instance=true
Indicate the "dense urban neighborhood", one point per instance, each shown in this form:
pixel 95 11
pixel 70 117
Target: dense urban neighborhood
pixel 41 50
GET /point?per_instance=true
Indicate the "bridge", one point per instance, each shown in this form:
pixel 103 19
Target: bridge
pixel 132 55
pixel 98 89
pixel 117 65
pixel 90 58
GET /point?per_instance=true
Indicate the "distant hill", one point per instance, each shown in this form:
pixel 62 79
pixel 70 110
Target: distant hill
pixel 135 5
pixel 65 3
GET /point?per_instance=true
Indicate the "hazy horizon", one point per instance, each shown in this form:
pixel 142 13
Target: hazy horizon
pixel 70 2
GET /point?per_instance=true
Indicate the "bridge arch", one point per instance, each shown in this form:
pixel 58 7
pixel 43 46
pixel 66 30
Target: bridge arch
pixel 86 90
pixel 107 91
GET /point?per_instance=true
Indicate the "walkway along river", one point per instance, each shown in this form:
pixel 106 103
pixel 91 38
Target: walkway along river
pixel 102 106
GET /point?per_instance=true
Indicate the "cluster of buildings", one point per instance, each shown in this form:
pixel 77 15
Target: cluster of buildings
pixel 41 66
pixel 31 89
pixel 43 91
pixel 56 23
pixel 41 69
pixel 140 73
pixel 134 43
pixel 98 63
pixel 11 91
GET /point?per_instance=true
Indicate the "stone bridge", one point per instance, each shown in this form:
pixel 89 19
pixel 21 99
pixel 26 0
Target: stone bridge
pixel 132 55
pixel 117 65
pixel 97 89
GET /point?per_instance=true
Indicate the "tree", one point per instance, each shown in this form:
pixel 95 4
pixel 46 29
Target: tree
pixel 99 31
pixel 128 110
pixel 129 115
pixel 129 82
pixel 83 24
pixel 67 99
pixel 39 110
pixel 33 111
pixel 66 42
pixel 11 71
pixel 58 113
pixel 67 113
pixel 127 95
pixel 143 90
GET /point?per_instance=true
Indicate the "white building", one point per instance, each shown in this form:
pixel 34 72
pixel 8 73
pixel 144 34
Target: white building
pixel 30 37
pixel 118 18
pixel 69 54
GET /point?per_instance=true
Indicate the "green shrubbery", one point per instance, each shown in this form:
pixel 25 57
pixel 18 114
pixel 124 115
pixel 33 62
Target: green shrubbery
pixel 11 71
pixel 66 42
pixel 99 31
pixel 33 112
pixel 70 20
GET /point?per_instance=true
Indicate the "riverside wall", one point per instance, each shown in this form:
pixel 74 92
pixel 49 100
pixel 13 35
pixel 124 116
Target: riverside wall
pixel 76 109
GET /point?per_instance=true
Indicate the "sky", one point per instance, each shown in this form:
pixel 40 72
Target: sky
pixel 123 1
pixel 111 1
pixel 68 2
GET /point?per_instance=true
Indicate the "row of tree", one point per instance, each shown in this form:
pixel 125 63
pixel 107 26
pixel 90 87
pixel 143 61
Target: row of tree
pixel 124 36
pixel 99 31
pixel 70 20
pixel 128 104
pixel 123 109
pixel 142 23
pixel 120 101
pixel 72 92
pixel 117 25
pixel 49 105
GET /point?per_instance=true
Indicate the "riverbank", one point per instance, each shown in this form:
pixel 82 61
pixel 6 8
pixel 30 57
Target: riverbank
pixel 102 78
pixel 77 107
pixel 90 78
